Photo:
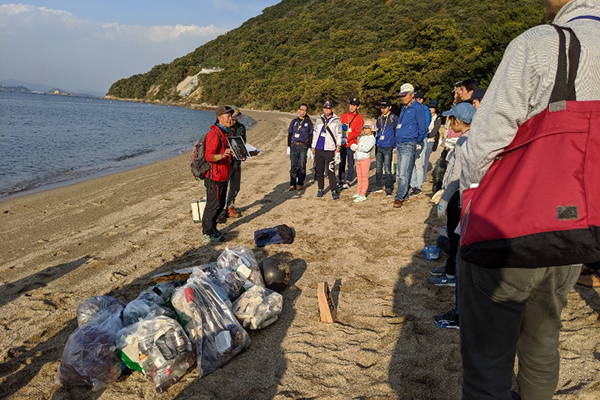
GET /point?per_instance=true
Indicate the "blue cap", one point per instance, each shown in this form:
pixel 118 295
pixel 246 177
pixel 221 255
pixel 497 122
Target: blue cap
pixel 355 101
pixel 462 111
pixel 328 104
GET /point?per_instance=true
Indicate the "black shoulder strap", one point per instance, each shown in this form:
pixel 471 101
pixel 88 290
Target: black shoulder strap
pixel 564 84
pixel 329 130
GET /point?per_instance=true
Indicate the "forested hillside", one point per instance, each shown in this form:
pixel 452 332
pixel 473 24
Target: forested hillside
pixel 310 50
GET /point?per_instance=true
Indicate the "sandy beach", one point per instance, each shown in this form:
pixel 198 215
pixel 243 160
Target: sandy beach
pixel 110 235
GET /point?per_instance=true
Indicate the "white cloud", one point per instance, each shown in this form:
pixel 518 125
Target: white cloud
pixel 41 45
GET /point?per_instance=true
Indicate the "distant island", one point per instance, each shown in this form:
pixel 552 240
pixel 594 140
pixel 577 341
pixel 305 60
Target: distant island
pixel 15 86
pixel 23 89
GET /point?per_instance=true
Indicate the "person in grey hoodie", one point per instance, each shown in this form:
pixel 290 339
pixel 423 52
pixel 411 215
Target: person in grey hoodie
pixel 517 311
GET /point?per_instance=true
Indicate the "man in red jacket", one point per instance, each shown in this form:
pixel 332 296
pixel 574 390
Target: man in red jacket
pixel 218 154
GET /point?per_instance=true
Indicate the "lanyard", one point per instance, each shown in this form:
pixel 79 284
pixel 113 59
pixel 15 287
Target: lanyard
pixel 299 124
pixel 387 117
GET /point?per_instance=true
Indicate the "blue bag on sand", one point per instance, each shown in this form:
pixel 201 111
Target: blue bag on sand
pixel 432 252
pixel 275 235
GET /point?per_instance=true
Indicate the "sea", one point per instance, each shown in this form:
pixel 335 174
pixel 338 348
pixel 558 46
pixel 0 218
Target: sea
pixel 47 141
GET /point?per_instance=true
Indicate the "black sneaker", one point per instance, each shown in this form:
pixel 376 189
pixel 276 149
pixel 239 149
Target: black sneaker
pixel 388 192
pixel 221 219
pixel 212 238
pixel 448 320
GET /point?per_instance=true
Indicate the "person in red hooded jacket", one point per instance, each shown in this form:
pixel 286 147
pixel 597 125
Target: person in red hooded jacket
pixel 218 154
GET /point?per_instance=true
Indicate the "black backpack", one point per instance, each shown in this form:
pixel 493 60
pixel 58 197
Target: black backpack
pixel 198 164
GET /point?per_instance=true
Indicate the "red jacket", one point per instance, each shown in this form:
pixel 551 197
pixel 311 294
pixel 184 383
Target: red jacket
pixel 219 170
pixel 355 127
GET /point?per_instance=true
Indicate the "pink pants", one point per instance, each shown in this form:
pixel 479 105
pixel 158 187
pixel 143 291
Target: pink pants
pixel 362 171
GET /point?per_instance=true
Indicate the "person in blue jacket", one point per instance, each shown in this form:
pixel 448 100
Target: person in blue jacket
pixel 410 132
pixel 418 176
pixel 385 141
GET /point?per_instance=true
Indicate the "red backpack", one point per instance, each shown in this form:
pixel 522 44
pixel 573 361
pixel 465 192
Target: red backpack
pixel 539 203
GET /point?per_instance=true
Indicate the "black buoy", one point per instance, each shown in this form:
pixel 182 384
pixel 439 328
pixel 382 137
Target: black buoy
pixel 276 273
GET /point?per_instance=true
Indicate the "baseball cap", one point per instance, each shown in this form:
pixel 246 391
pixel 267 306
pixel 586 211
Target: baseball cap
pixel 355 101
pixel 237 114
pixel 462 111
pixel 419 95
pixel 328 104
pixel 223 110
pixel 405 89
pixel 477 94
pixel 385 103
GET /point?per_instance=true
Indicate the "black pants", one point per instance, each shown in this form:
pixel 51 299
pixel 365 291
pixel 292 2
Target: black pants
pixel 216 194
pixel 323 161
pixel 439 170
pixel 453 213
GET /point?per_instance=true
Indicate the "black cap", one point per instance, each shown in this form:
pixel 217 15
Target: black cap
pixel 328 104
pixel 419 95
pixel 385 103
pixel 477 94
pixel 355 101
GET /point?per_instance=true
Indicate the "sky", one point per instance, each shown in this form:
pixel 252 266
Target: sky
pixel 86 45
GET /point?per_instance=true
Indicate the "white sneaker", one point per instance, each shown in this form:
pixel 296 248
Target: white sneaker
pixel 360 198
pixel 355 195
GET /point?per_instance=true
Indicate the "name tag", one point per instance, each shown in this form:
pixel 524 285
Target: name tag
pixel 349 130
pixel 399 126
pixel 297 135
pixel 382 137
pixel 323 134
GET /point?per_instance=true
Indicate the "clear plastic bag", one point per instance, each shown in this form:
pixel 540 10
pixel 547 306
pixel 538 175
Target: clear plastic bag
pixel 230 285
pixel 209 322
pixel 138 310
pixel 90 356
pixel 258 307
pixel 159 348
pixel 241 260
pixel 89 309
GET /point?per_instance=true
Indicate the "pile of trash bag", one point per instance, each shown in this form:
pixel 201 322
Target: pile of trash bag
pixel 89 357
pixel 171 326
pixel 159 348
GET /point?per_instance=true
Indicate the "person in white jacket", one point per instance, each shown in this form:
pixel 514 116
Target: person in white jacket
pixel 362 155
pixel 327 139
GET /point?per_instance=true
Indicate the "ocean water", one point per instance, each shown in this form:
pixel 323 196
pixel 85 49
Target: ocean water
pixel 49 141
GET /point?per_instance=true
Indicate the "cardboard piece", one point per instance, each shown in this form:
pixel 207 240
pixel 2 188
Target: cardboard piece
pixel 327 308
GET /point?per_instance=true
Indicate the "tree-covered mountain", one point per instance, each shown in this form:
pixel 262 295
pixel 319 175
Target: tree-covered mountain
pixel 309 50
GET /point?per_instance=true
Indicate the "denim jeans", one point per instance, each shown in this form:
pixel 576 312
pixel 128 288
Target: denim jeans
pixel 417 177
pixel 346 167
pixel 428 152
pixel 383 158
pixel 406 163
pixel 298 161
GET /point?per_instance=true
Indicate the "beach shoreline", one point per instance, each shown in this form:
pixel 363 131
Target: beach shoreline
pixel 109 235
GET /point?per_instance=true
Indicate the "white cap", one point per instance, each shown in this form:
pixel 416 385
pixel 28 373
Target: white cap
pixel 405 89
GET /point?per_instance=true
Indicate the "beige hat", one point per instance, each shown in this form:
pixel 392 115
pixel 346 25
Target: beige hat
pixel 405 89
